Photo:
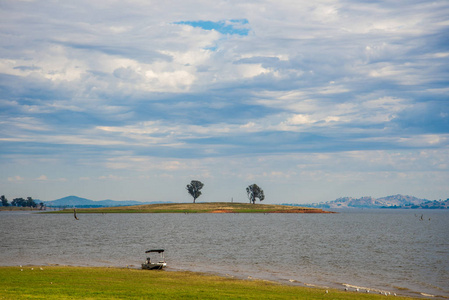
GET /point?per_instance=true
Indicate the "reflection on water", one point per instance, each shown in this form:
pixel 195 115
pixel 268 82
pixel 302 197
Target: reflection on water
pixel 383 249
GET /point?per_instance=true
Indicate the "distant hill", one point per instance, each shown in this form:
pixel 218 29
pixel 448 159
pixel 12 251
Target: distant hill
pixel 74 201
pixel 435 204
pixel 394 201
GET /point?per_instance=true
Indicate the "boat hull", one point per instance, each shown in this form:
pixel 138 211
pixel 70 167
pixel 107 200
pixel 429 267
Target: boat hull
pixel 158 266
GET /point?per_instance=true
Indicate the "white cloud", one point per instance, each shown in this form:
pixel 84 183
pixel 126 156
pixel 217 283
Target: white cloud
pixel 16 178
pixel 425 140
pixel 141 163
pixel 110 177
pixel 42 178
pixel 300 119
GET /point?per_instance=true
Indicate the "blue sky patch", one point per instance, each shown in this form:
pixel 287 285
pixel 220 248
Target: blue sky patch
pixel 236 26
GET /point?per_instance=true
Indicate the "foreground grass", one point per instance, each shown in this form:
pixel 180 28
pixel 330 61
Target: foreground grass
pixel 211 207
pixel 115 283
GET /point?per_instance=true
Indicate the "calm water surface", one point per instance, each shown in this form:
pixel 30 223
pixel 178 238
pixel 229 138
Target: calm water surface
pixel 389 250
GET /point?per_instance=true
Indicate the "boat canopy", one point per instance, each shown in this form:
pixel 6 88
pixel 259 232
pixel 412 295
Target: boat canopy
pixel 155 250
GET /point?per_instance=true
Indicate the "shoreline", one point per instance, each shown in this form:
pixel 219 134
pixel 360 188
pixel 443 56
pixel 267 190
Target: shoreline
pixel 177 277
pixel 340 286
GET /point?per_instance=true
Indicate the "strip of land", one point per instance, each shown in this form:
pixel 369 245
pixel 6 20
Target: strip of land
pixel 210 207
pixel 15 208
pixel 62 282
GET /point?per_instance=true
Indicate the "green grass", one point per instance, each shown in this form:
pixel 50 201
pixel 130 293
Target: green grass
pixel 114 283
pixel 210 207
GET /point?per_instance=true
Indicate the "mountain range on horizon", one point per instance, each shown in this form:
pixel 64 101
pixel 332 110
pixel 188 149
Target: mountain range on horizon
pixel 393 201
pixel 75 201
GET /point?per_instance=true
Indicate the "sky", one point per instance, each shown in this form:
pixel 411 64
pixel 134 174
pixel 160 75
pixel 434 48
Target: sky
pixel 310 100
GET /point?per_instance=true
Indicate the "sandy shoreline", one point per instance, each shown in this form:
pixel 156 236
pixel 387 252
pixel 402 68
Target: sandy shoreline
pixel 293 282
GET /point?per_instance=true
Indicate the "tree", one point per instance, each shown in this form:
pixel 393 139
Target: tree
pixel 30 202
pixel 254 191
pixel 4 200
pixel 20 202
pixel 194 189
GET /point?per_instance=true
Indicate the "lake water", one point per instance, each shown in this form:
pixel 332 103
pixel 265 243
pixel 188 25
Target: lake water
pixel 387 250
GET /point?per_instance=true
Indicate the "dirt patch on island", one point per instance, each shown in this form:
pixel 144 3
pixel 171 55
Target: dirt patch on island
pixel 300 211
pixel 287 211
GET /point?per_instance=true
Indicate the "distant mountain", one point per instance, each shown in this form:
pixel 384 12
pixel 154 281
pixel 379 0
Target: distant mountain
pixel 395 201
pixel 435 204
pixel 70 201
pixel 401 200
pixel 74 201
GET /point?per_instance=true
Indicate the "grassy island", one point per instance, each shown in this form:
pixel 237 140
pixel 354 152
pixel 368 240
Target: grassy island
pixel 210 207
pixel 62 282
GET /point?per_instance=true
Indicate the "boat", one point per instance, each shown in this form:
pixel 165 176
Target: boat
pixel 148 265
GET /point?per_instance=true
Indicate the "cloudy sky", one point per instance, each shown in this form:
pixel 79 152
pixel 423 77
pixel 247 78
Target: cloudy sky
pixel 311 100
